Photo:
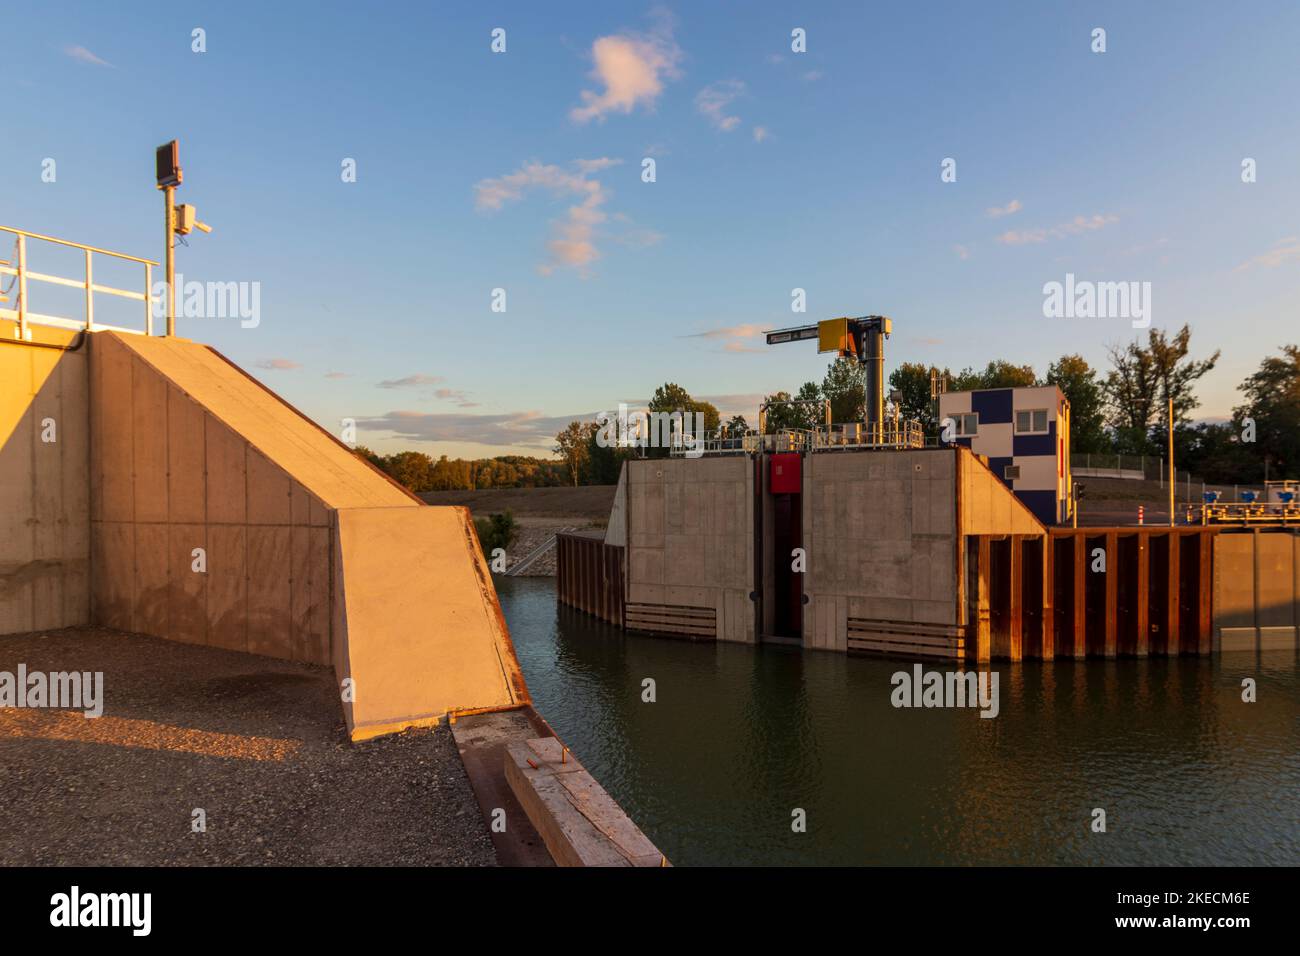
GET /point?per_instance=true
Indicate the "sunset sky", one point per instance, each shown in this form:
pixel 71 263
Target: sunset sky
pixel 775 170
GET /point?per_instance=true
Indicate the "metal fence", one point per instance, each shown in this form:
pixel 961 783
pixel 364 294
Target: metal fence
pixel 16 292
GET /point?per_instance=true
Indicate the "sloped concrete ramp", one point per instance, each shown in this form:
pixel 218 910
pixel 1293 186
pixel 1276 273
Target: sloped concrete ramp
pixel 220 515
pixel 419 629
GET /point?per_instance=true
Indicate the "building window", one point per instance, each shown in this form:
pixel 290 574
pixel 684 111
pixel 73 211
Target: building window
pixel 967 425
pixel 1011 473
pixel 1031 421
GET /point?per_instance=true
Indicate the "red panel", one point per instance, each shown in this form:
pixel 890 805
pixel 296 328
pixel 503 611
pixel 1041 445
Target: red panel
pixel 784 476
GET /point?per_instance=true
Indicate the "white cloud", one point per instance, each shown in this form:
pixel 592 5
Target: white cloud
pixel 1283 251
pixel 1077 225
pixel 760 133
pixel 997 212
pixel 573 244
pixel 735 338
pixel 517 429
pixel 82 55
pixel 277 364
pixel 631 68
pixel 713 101
pixel 411 381
pixel 962 252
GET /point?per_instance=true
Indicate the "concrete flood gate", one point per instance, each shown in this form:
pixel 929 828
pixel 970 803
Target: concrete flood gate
pixel 914 553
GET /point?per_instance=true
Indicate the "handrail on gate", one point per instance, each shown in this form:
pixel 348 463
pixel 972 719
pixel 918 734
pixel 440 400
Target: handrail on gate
pixel 23 314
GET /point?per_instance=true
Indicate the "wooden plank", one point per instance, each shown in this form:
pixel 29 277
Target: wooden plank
pixel 1143 610
pixel 1112 595
pixel 1016 609
pixel 578 821
pixel 893 649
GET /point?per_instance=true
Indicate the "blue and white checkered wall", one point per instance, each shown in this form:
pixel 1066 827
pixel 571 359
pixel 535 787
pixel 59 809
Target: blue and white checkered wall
pixel 1043 458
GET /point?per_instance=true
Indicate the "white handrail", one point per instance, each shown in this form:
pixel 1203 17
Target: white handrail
pixel 23 314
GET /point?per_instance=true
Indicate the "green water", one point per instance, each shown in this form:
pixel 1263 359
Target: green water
pixel 739 737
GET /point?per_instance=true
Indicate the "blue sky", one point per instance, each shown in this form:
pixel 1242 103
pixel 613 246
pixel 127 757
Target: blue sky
pixel 775 170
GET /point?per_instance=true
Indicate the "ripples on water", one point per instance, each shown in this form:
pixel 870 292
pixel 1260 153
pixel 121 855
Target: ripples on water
pixel 740 736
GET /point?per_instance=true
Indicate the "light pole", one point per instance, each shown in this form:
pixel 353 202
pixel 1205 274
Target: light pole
pixel 178 220
pixel 167 168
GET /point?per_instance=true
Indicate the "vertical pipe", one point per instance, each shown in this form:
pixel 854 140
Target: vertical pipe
pixel 875 370
pixel 90 295
pixel 169 199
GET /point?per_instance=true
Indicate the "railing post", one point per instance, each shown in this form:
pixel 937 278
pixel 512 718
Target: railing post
pixel 90 295
pixel 148 299
pixel 22 287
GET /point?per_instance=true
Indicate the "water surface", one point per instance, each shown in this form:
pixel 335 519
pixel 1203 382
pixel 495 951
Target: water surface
pixel 739 737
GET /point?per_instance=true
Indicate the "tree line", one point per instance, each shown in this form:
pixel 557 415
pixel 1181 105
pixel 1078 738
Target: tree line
pixel 1119 410
pixel 419 472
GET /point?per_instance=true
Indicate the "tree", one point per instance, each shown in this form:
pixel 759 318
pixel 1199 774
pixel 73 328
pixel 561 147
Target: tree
pixel 737 427
pixel 997 374
pixel 912 381
pixel 1273 406
pixel 411 468
pixel 1078 380
pixel 671 398
pixel 571 445
pixel 845 388
pixel 1142 382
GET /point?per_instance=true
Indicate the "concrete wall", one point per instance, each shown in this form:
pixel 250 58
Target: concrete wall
pixel 690 531
pixel 987 504
pixel 880 532
pixel 418 628
pixel 44 523
pixel 1256 590
pixel 184 500
pixel 169 476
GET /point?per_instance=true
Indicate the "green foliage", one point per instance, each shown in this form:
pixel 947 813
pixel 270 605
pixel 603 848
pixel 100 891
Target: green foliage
pixel 1143 380
pixel 496 531
pixel 573 445
pixel 912 381
pixel 997 374
pixel 418 472
pixel 845 387
pixel 1273 405
pixel 1078 380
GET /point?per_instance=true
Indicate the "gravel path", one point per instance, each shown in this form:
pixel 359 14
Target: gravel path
pixel 257 744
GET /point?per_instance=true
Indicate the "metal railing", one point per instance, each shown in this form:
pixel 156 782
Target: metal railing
pixel 723 441
pixel 22 312
pixel 901 433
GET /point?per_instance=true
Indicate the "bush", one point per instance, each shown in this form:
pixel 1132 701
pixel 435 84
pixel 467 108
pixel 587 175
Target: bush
pixel 496 531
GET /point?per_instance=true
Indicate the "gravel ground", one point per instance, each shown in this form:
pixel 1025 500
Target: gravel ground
pixel 258 744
